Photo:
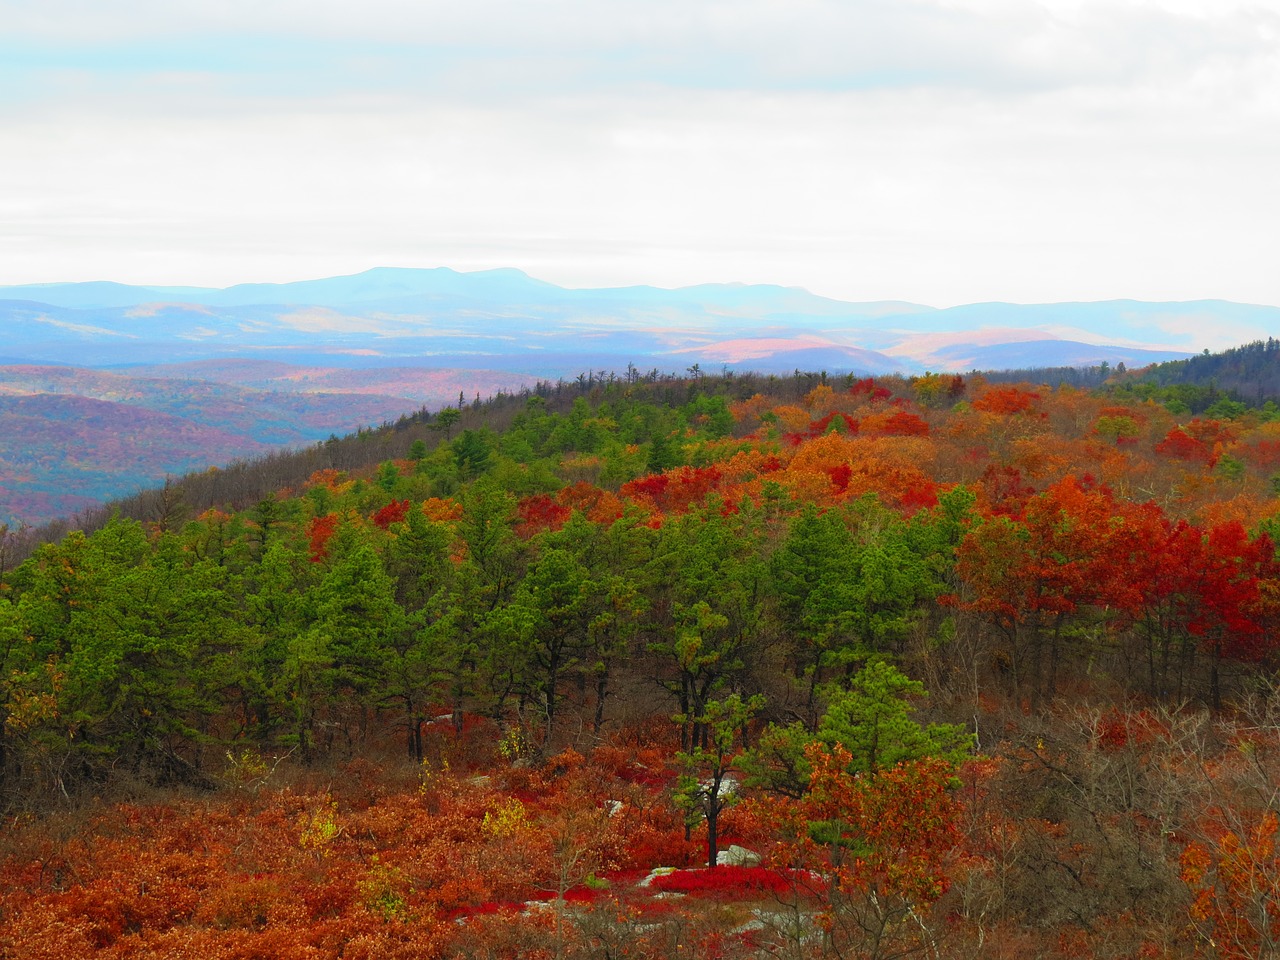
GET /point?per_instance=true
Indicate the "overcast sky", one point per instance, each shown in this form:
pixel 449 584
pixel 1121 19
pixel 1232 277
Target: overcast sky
pixel 940 151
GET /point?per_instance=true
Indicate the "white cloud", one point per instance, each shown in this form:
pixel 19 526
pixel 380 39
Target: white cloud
pixel 934 150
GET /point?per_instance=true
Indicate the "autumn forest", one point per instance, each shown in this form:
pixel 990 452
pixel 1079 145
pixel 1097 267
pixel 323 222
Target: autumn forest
pixel 642 666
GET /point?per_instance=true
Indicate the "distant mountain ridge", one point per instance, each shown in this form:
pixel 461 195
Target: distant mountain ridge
pixel 506 320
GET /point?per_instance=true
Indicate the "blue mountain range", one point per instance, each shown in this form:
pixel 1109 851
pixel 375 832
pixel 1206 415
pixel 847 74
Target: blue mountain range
pixel 506 320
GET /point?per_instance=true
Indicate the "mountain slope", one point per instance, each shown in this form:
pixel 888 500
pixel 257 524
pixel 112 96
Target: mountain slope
pixel 72 437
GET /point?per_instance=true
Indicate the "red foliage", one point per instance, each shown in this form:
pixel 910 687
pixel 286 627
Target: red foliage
pixel 833 421
pixel 538 513
pixel 795 439
pixel 583 894
pixel 319 531
pixel 598 506
pixel 919 496
pixel 1117 730
pixel 1200 441
pixel 393 512
pixel 840 476
pixel 1230 610
pixel 1059 551
pixel 1181 445
pixel 1112 732
pixel 867 388
pixel 692 486
pixel 651 488
pixel 1261 454
pixel 1211 431
pixel 725 882
pixel 1003 491
pixel 900 423
pixel 675 491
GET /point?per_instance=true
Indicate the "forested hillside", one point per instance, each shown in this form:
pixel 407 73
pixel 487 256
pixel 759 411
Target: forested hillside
pixel 1249 373
pixel 948 667
pixel 1240 377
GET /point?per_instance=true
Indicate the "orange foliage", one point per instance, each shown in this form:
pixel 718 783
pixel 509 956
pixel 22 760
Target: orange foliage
pixel 1236 888
pixel 1037 457
pixel 748 464
pixel 1246 509
pixel 598 506
pixel 904 825
pixel 335 480
pixel 820 400
pixel 1006 400
pixel 749 411
pixel 792 419
pixel 895 423
pixel 440 510
pixel 822 453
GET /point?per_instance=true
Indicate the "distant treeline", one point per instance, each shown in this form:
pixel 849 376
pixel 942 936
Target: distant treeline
pixel 1251 373
pixel 1083 378
pixel 1248 375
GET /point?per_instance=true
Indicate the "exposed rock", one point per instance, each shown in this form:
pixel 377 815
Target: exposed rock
pixel 737 856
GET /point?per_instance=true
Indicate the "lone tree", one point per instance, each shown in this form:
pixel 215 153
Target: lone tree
pixel 706 787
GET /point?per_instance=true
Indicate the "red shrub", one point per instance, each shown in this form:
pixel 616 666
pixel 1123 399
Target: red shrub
pixel 724 883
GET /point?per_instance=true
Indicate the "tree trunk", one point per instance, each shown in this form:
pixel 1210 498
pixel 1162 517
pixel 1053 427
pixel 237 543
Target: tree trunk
pixel 602 691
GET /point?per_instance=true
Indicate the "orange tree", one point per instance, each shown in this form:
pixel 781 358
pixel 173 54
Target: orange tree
pixel 1235 886
pixel 880 846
